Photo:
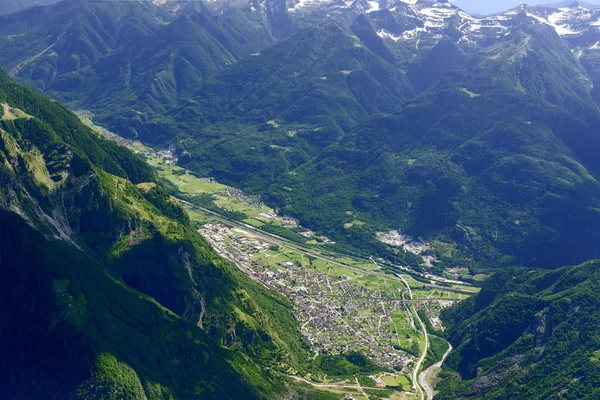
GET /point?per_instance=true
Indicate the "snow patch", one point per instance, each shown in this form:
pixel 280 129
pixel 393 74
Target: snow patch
pixel 374 6
pixel 388 35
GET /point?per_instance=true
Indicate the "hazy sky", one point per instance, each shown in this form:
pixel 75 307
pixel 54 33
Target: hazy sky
pixel 492 6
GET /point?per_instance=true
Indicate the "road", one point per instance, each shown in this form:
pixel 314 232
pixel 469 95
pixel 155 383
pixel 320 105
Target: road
pixel 417 367
pixel 279 241
pixel 419 363
pixel 340 385
pixel 336 386
pixel 361 389
pixel 420 384
pixel 415 378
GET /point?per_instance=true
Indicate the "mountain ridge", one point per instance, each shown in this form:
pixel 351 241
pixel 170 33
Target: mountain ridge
pixel 106 276
pixel 517 339
pixel 477 135
pixel 257 114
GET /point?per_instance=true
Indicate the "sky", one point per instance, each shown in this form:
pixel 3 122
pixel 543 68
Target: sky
pixel 494 6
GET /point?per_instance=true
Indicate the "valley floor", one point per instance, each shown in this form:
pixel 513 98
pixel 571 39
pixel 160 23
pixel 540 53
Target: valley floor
pixel 343 303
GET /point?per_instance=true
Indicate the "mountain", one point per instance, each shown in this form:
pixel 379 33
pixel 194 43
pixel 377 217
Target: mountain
pixel 477 134
pixel 442 168
pixel 135 70
pixel 527 335
pixel 107 290
pixel 357 108
pixel 129 60
pixel 484 160
pixel 43 43
pixel 316 85
pixel 487 8
pixel 13 6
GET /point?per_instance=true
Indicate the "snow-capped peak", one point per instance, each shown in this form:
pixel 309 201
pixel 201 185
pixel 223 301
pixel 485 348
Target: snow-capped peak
pixel 437 18
pixel 397 20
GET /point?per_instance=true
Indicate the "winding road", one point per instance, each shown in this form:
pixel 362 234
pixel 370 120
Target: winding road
pixel 419 379
pixel 417 385
pixel 415 380
pixel 420 384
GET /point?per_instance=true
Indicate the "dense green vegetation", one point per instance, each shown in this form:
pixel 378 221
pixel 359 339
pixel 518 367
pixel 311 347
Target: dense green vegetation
pixel 346 365
pixel 128 62
pixel 11 6
pixel 437 349
pixel 107 290
pixel 486 171
pixel 68 329
pixel 489 152
pixel 529 334
pixel 480 149
pixel 475 172
pixel 53 122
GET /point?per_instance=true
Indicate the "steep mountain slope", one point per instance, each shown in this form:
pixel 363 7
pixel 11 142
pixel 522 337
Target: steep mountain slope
pixel 127 61
pixel 132 62
pixel 71 331
pixel 527 335
pixel 493 173
pixel 45 42
pixel 297 119
pixel 107 290
pixel 273 13
pixel 534 60
pixel 287 80
pixel 53 48
pixel 271 111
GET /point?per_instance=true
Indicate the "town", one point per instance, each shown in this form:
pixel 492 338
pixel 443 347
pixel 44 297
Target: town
pixel 339 310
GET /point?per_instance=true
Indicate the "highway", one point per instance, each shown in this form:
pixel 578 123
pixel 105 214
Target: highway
pixel 420 383
pixel 279 241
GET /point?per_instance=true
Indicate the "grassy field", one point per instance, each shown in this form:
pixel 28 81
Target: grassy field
pixel 231 204
pixel 353 223
pixel 254 222
pixel 404 382
pixel 427 293
pixel 187 183
pixel 195 215
pixel 390 381
pixel 397 381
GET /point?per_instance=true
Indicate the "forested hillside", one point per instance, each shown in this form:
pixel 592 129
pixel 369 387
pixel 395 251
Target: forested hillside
pixel 475 133
pixel 485 161
pixel 392 146
pixel 527 335
pixel 127 61
pixel 490 172
pixel 107 290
